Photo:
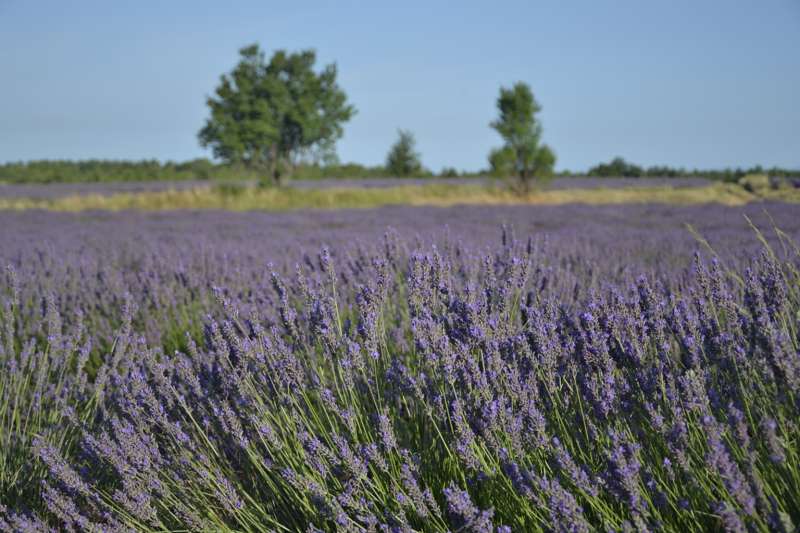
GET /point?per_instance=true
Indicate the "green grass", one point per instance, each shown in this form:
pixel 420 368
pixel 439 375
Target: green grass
pixel 284 199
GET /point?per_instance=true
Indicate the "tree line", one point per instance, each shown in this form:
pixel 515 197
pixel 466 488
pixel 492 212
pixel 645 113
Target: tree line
pixel 63 171
pixel 274 119
pixel 618 167
pixel 97 170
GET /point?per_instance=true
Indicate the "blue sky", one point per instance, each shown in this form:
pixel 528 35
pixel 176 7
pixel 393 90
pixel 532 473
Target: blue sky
pixel 702 83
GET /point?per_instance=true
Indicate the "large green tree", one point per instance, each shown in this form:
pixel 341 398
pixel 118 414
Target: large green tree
pixel 523 155
pixel 403 159
pixel 267 116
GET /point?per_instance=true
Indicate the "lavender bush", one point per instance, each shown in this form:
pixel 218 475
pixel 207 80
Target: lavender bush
pixel 618 376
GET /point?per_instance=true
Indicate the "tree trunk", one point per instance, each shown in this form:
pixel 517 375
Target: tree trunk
pixel 274 165
pixel 524 179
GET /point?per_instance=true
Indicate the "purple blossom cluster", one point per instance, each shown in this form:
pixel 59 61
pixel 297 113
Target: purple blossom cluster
pixel 401 383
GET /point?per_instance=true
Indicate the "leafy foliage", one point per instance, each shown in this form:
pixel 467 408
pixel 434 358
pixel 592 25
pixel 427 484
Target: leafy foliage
pixel 618 167
pixel 403 160
pixel 269 115
pixel 104 171
pixel 109 171
pixel 449 172
pixel 522 154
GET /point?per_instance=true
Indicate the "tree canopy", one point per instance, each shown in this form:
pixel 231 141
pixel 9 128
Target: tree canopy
pixel 403 159
pixel 522 155
pixel 267 116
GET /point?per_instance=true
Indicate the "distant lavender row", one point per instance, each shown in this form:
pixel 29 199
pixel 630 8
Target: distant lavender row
pixel 655 228
pixel 171 260
pixel 58 190
pixel 583 370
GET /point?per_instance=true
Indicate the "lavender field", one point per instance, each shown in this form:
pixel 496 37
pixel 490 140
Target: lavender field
pixel 486 369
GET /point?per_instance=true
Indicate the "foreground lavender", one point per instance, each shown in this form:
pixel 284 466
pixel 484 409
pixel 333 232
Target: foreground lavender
pixel 402 385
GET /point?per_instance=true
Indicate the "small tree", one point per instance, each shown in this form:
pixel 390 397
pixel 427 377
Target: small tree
pixel 402 159
pixel 522 155
pixel 267 116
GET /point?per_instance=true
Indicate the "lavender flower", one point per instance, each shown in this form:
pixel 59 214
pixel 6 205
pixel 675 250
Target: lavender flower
pixel 464 514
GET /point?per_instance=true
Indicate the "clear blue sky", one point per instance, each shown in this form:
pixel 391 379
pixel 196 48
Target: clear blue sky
pixel 701 83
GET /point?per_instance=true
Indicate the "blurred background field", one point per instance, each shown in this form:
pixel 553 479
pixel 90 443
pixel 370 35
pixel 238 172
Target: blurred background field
pixel 238 196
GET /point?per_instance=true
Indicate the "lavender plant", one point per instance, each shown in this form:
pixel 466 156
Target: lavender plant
pixel 402 385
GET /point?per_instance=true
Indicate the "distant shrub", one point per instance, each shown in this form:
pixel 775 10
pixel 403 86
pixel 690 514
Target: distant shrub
pixel 403 159
pixel 616 168
pixel 755 182
pixel 448 172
